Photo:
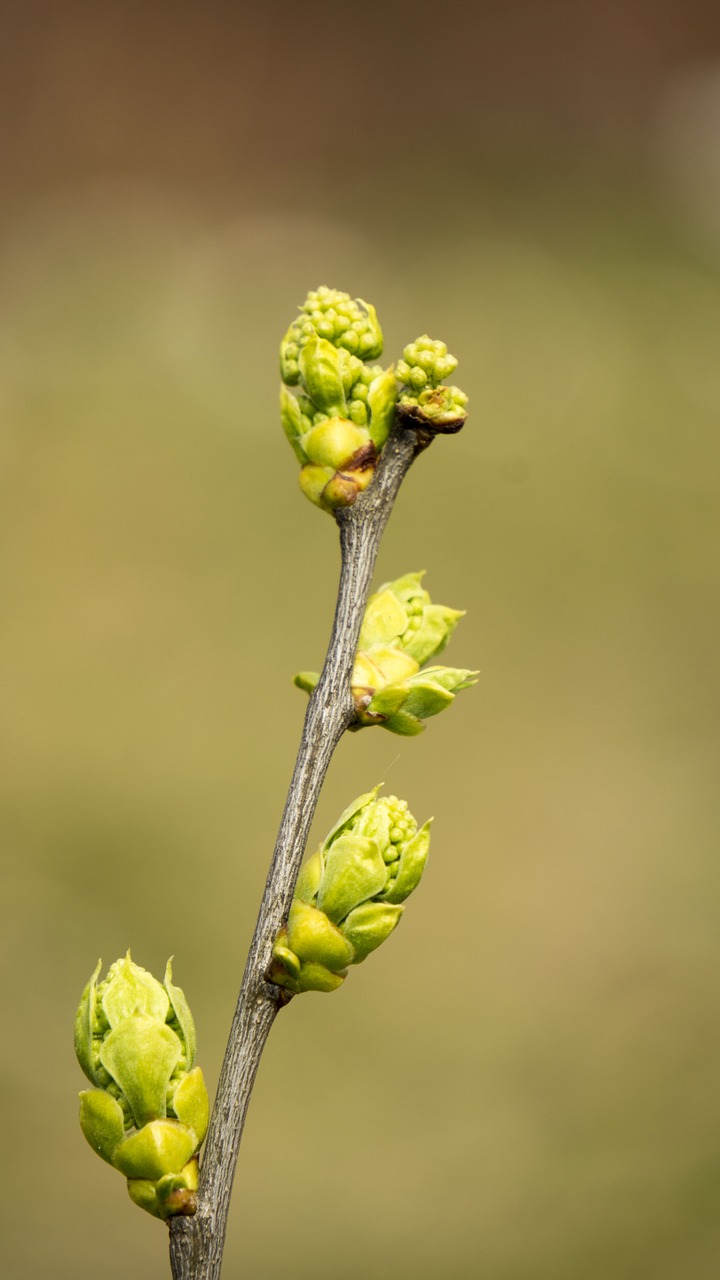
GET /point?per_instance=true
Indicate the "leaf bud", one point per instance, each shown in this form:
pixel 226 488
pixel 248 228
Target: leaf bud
pixel 135 1040
pixel 402 630
pixel 349 895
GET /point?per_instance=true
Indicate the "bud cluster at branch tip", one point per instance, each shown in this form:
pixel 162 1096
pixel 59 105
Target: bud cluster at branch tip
pixel 402 629
pixel 340 419
pixel 349 895
pixel 424 402
pixel 135 1041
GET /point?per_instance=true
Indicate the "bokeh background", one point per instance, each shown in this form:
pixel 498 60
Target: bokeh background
pixel 524 1084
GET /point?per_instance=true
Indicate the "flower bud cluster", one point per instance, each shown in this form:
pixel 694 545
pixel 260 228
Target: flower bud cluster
pixel 425 361
pixel 357 379
pixel 341 416
pixel 135 1040
pixel 349 894
pixel 424 366
pixel 402 629
pixel 346 322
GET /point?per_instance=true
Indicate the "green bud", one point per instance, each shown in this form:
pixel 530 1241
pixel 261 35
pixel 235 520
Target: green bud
pixel 320 374
pixel 424 699
pixel 291 417
pixel 339 423
pixel 313 482
pixel 354 871
pixel 385 618
pixel 409 867
pixel 381 401
pixel 400 721
pixel 102 1121
pixel 168 1196
pixel 431 358
pixel 160 1147
pixel 369 925
pixel 350 324
pixel 140 1055
pixel 402 629
pixel 191 1103
pixel 384 665
pixel 307 680
pixel 348 895
pixel 424 402
pixel 451 678
pixel 332 489
pixel 432 633
pixel 349 817
pixel 401 613
pixel 357 412
pixel 143 1193
pixel 333 442
pixel 135 1040
pixel 310 878
pixel 314 977
pixel 313 937
pixel 384 702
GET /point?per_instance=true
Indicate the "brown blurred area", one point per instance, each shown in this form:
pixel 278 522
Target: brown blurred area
pixel 523 1084
pixel 235 96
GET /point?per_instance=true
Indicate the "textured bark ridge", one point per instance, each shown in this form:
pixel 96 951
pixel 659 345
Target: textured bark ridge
pixel 197 1242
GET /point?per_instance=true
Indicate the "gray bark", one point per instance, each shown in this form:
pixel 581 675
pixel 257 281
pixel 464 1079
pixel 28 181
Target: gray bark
pixel 197 1242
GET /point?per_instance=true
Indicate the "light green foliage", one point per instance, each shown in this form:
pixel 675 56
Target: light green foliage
pixel 402 630
pixel 426 363
pixel 348 323
pixel 135 1041
pixel 341 416
pixel 349 894
pixel 147 1114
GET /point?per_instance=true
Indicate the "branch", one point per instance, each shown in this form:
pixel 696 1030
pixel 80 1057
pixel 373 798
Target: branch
pixel 196 1243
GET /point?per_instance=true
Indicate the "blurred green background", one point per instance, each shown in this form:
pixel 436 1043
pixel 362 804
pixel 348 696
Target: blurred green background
pixel 524 1084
